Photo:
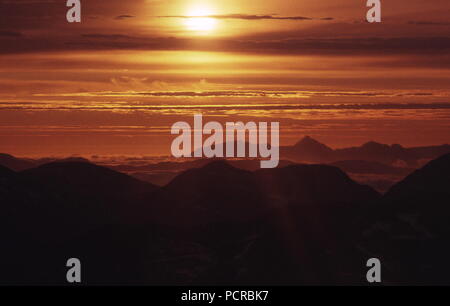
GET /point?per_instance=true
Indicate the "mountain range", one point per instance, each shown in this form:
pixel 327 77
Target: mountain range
pixel 219 224
pixel 306 150
pixel 374 164
pixel 310 150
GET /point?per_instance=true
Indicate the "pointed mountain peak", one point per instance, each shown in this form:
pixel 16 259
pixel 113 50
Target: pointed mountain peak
pixel 434 177
pixel 215 172
pixel 218 165
pixel 309 142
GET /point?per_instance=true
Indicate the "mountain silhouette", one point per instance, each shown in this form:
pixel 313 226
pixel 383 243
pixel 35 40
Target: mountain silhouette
pixel 362 166
pixel 20 164
pixel 307 149
pixel 220 224
pixel 85 178
pixel 314 184
pixel 6 173
pixel 230 210
pixel 310 150
pixel 69 194
pixel 410 228
pixel 377 152
pixel 221 191
pixel 308 142
pixel 48 160
pixel 16 164
pixel 433 180
pixel 163 172
pixel 212 194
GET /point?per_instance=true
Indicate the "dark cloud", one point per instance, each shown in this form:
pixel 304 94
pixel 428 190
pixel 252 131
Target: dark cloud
pixel 299 46
pixel 269 93
pixel 27 2
pixel 122 17
pixel 345 46
pixel 350 106
pixel 10 34
pixel 251 17
pixel 429 23
pixel 106 36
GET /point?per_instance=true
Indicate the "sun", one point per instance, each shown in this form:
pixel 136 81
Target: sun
pixel 200 22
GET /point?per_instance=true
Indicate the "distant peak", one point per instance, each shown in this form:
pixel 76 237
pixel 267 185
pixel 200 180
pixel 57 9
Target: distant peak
pixel 397 146
pixel 218 165
pixel 4 155
pixel 67 163
pixel 307 139
pixel 73 159
pixel 373 144
pixel 311 142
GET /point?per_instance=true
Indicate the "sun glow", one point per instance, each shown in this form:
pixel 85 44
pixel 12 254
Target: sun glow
pixel 200 22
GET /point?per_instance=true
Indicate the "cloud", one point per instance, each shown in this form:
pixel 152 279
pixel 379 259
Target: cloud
pixel 27 2
pixel 429 23
pixel 251 17
pixel 122 17
pixel 10 34
pixel 288 43
pixel 106 36
pixel 280 94
pixel 299 46
pixel 233 107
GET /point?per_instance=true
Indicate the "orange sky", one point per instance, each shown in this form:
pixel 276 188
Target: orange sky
pixel 115 83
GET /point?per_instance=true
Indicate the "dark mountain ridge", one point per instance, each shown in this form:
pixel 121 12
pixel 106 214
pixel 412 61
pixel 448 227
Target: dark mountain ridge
pixel 217 224
pixel 310 150
pixel 245 194
pixel 409 227
pixel 305 150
